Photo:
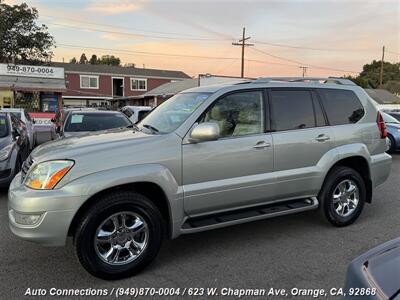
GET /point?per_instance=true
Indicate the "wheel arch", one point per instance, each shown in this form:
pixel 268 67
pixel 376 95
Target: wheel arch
pixel 359 164
pixel 149 189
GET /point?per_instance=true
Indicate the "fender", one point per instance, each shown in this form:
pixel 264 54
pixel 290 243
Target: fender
pixel 339 153
pixel 158 174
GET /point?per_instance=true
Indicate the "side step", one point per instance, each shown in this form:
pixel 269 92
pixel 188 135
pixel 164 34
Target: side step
pixel 244 215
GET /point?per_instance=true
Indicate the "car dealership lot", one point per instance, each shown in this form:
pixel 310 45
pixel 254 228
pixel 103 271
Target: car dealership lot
pixel 293 251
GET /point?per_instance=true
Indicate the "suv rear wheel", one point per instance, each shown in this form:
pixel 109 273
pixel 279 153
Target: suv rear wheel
pixel 343 196
pixel 119 236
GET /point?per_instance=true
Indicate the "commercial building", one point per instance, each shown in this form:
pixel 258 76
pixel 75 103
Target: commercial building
pixel 35 88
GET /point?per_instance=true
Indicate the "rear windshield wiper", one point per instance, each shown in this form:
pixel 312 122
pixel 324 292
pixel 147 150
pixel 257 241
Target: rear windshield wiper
pixel 152 128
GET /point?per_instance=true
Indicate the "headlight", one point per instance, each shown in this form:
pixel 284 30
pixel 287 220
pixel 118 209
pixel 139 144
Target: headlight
pixel 6 151
pixel 46 175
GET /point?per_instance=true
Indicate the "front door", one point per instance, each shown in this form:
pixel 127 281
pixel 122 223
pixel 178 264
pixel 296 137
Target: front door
pixel 236 169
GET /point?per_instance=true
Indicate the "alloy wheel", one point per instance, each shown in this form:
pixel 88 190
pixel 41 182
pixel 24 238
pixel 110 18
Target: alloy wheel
pixel 121 238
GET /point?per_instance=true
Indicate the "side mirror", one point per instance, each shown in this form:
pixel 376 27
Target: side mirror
pixel 33 121
pixel 204 132
pixel 53 120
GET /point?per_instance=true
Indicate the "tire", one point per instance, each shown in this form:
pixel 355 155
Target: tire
pixel 342 177
pixel 393 146
pixel 132 205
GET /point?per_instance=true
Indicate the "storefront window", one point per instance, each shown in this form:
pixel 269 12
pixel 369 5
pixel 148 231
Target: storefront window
pixel 48 102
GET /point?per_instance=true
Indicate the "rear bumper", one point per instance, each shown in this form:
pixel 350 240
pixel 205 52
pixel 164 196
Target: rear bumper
pixel 380 168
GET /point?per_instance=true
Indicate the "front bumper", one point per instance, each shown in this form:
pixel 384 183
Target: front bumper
pixel 55 207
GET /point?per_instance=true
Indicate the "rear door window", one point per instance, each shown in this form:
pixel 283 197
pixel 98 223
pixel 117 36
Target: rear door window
pixel 341 106
pixel 292 109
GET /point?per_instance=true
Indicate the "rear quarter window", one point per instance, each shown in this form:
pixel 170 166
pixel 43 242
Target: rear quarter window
pixel 341 106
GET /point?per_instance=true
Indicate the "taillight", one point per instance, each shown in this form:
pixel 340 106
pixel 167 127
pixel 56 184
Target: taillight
pixel 381 126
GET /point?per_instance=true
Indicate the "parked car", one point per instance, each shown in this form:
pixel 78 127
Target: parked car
pixel 136 113
pixel 209 157
pixel 80 122
pixel 393 129
pixel 14 147
pixel 375 274
pixel 394 114
pixel 23 115
pixel 62 114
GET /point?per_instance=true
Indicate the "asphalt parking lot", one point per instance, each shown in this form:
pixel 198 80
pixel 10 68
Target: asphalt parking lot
pixel 286 252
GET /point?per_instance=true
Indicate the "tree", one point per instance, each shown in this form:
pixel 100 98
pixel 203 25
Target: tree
pixel 83 59
pixel 22 40
pixel 369 76
pixel 73 61
pixel 93 60
pixel 109 60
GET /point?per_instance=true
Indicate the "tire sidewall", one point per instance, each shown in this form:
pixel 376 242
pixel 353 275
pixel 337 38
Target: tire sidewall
pixel 85 245
pixel 328 206
pixel 393 144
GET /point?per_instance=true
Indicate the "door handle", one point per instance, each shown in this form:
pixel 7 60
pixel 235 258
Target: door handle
pixel 322 138
pixel 261 145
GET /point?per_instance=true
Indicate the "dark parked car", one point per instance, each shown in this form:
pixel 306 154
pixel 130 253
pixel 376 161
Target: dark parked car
pixel 393 129
pixel 14 147
pixel 79 122
pixel 394 114
pixel 375 274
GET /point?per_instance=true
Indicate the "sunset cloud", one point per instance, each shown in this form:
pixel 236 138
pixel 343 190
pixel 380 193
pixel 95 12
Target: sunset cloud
pixel 114 8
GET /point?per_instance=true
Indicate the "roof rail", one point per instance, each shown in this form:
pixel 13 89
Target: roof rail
pixel 334 80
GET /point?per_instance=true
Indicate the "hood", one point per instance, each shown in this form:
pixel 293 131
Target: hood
pixel 72 147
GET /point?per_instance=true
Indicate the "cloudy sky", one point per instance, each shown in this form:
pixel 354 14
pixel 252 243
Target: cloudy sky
pixel 329 37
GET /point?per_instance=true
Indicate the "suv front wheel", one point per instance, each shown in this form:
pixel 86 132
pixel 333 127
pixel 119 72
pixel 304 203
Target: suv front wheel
pixel 343 196
pixel 119 236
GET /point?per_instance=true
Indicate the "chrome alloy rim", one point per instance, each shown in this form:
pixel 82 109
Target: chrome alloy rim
pixel 346 197
pixel 121 238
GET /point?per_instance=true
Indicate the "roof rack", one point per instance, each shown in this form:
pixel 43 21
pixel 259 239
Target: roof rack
pixel 322 80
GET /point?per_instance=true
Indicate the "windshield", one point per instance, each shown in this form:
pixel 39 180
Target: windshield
pixel 388 118
pixel 172 113
pixel 17 114
pixel 3 126
pixel 80 121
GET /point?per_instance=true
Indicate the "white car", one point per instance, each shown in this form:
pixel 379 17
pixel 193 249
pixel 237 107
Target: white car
pixel 23 116
pixel 136 113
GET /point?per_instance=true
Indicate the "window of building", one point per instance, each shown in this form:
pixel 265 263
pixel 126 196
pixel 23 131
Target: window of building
pixel 138 84
pixel 89 82
pixel 292 110
pixel 341 106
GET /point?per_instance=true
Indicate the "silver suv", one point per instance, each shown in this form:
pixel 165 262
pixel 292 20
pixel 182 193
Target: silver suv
pixel 209 157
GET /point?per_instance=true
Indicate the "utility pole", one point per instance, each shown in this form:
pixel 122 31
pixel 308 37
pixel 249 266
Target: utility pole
pixel 243 44
pixel 381 73
pixel 304 68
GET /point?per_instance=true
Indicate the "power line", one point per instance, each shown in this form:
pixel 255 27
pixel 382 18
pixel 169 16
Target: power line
pixel 125 27
pixel 181 36
pixel 144 52
pixel 135 34
pixel 392 52
pixel 302 63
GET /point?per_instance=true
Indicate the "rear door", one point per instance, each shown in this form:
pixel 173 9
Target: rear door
pixel 301 138
pixel 235 170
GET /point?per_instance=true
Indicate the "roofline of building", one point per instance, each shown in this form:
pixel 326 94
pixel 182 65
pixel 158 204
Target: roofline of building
pixel 124 75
